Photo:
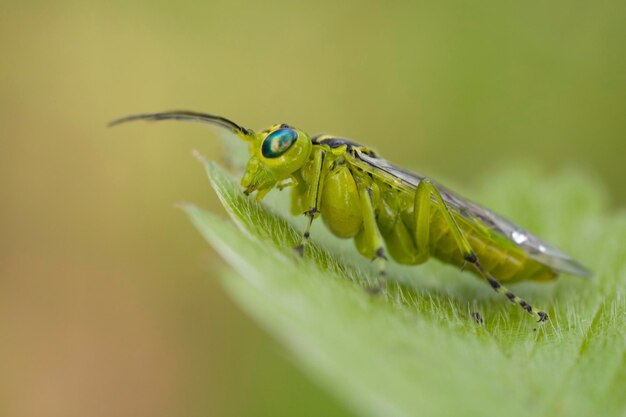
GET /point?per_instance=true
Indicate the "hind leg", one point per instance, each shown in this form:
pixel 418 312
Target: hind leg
pixel 427 197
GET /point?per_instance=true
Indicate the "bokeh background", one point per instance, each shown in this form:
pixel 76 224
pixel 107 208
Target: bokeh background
pixel 109 304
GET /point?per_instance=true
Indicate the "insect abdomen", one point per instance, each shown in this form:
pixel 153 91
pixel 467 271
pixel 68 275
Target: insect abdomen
pixel 499 257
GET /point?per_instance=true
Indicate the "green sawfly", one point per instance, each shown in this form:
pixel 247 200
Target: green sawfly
pixel 385 209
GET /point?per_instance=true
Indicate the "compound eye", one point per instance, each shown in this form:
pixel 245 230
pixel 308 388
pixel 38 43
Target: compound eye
pixel 278 142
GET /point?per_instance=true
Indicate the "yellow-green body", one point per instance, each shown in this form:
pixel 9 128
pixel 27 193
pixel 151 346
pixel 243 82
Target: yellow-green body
pixel 385 209
pixel 341 210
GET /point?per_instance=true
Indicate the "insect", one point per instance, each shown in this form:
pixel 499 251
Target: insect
pixel 385 209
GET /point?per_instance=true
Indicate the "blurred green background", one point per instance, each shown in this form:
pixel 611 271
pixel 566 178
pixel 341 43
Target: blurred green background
pixel 108 302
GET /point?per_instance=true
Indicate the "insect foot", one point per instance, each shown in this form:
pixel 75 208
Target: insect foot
pixel 478 318
pixel 299 250
pixel 375 289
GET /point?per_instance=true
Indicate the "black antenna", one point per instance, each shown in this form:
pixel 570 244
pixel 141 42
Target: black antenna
pixel 189 116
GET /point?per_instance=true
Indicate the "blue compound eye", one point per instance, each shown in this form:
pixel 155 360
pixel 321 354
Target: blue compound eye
pixel 278 142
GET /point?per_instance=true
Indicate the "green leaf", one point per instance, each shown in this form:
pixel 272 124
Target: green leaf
pixel 414 350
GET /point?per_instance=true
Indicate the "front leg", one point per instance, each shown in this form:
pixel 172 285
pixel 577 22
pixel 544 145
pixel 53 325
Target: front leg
pixel 289 182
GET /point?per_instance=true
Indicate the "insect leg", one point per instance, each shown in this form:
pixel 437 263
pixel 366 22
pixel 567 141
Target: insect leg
pixel 369 241
pixel 314 174
pixel 422 211
pixel 289 182
pixel 426 190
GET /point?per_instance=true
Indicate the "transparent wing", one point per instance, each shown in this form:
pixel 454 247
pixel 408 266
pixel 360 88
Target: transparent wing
pixel 531 244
